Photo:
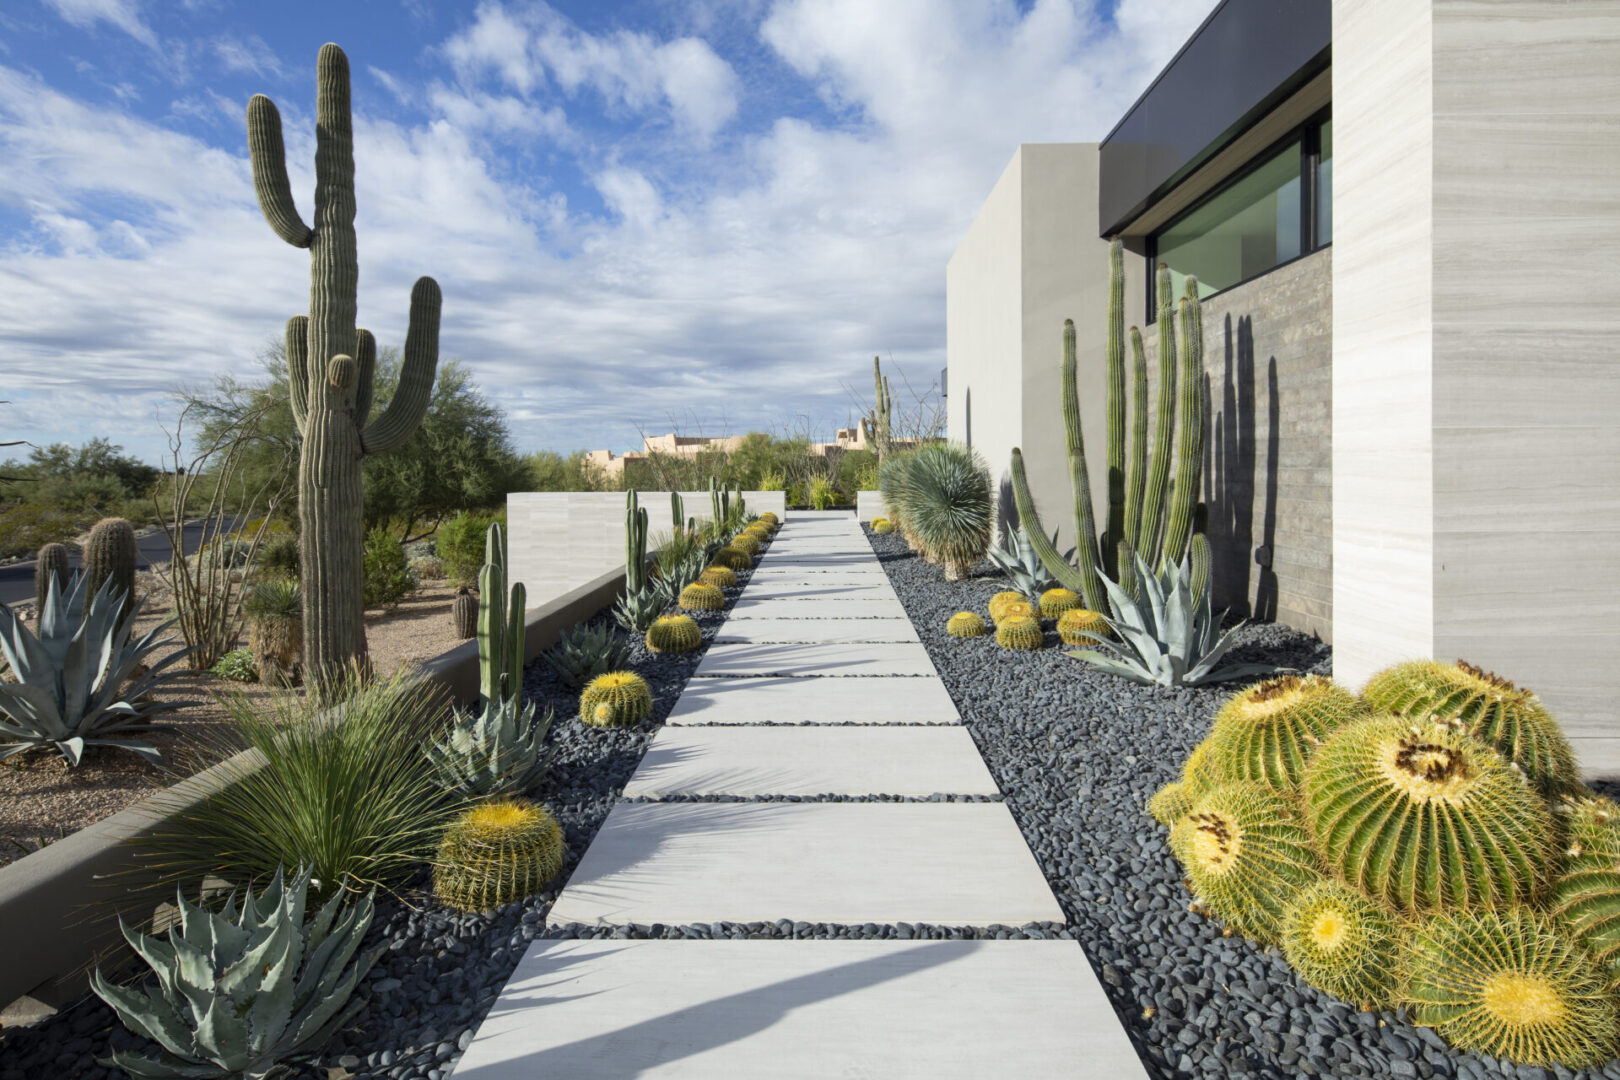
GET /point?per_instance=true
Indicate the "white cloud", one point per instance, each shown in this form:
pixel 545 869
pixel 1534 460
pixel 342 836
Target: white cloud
pixel 124 14
pixel 250 55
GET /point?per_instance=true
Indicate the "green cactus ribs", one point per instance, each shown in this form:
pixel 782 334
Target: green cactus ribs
pixel 1267 732
pixel 497 853
pixel 1341 942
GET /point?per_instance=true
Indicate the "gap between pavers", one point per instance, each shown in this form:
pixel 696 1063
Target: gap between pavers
pixel 816 660
pixel 954 864
pixel 793 1010
pixel 746 761
pixel 836 701
pixel 815 630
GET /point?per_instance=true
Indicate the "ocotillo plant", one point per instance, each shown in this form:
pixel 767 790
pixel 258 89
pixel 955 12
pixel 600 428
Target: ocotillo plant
pixel 1136 487
pixel 331 364
pixel 500 623
pixel 878 428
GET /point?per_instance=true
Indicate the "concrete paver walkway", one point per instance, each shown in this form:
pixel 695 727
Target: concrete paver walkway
pixel 816 688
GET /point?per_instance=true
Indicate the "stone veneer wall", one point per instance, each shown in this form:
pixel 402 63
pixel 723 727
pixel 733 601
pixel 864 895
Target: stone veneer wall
pixel 1268 355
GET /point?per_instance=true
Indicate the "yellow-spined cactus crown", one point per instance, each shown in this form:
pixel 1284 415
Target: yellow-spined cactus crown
pixel 1170 803
pixel 733 558
pixel 719 576
pixel 964 624
pixel 1019 632
pixel 883 528
pixel 615 699
pixel 1484 705
pixel 999 602
pixel 1341 942
pixel 699 596
pixel 1054 602
pixel 674 634
pixel 1078 626
pixel 771 517
pixel 1268 731
pixel 1506 983
pixel 496 853
pixel 746 543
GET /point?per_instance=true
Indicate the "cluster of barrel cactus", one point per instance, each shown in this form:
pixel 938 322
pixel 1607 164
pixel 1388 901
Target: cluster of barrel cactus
pixel 1425 844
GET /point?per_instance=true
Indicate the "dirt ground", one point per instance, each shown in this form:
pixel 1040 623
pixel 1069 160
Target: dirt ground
pixel 42 800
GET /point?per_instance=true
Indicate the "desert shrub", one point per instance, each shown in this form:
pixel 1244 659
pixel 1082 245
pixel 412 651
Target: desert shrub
pixel 823 495
pixel 387 578
pixel 27 527
pixel 237 666
pixel 427 568
pixel 460 544
pixel 278 556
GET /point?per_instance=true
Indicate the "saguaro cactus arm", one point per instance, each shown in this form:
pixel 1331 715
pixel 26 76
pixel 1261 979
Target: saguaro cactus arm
pixel 399 421
pixel 365 355
pixel 270 184
pixel 298 368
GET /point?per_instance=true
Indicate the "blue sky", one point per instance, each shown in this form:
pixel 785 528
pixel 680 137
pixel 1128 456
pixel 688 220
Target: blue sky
pixel 706 215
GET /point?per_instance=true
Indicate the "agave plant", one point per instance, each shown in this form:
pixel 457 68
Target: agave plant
pixel 1022 566
pixel 585 651
pixel 240 992
pixel 77 685
pixel 496 751
pixel 1167 635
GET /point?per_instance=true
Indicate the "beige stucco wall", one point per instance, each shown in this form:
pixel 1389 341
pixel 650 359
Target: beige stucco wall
pixel 1476 398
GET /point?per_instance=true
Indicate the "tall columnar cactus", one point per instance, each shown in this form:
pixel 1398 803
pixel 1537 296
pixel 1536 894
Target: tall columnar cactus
pixel 501 627
pixel 50 568
pixel 879 430
pixel 635 545
pixel 110 554
pixel 717 512
pixel 331 364
pixel 677 510
pixel 1136 486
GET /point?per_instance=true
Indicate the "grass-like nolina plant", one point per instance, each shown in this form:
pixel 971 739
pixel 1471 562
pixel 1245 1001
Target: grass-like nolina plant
pixel 1247 856
pixel 1267 732
pixel 1343 943
pixel 1425 817
pixel 1507 983
pixel 948 507
pixel 344 790
pixel 1486 706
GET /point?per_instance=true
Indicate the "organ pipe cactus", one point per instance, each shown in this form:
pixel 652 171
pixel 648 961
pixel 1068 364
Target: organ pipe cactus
pixel 1136 487
pixel 331 367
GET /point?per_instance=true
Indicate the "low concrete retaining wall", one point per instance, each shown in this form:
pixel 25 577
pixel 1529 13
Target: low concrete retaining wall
pixel 59 906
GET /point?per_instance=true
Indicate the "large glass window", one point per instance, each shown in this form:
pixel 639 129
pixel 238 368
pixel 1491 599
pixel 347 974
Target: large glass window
pixel 1278 210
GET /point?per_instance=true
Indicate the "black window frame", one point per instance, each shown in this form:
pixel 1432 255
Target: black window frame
pixel 1309 137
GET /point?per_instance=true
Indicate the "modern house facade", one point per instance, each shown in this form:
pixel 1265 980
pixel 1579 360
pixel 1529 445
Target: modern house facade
pixel 1403 216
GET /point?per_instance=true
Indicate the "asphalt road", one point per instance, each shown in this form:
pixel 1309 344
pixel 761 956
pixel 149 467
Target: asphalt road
pixel 17 579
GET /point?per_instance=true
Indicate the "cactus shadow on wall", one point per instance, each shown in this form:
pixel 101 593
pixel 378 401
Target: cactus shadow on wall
pixel 1231 471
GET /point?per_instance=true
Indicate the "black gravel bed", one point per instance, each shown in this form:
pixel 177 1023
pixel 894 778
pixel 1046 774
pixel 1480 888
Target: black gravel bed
pixel 783 929
pixel 1077 753
pixel 443 969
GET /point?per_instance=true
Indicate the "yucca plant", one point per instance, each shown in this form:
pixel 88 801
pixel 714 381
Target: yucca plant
pixel 585 651
pixel 239 992
pixel 275 613
pixel 948 506
pixel 345 791
pixel 1167 633
pixel 76 683
pixel 1017 559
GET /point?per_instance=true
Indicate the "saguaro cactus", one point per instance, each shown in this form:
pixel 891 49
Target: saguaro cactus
pixel 878 428
pixel 1136 486
pixel 331 364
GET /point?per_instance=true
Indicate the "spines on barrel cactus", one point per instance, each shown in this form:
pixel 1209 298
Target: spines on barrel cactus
pixel 1267 732
pixel 1199 771
pixel 1506 983
pixel 1018 609
pixel 1247 856
pixel 1585 897
pixel 1056 602
pixel 109 554
pixel 464 613
pixel 1078 626
pixel 1170 803
pixel 614 699
pixel 965 624
pixel 674 634
pixel 733 558
pixel 701 597
pixel 1343 943
pixel 1190 433
pixel 50 569
pixel 1019 632
pixel 1486 706
pixel 331 364
pixel 770 516
pixel 1424 817
pixel 999 602
pixel 497 853
pixel 748 545
pixel 719 576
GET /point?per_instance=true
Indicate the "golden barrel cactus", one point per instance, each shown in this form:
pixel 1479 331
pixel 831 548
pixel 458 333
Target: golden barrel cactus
pixel 1267 732
pixel 497 853
pixel 674 634
pixel 615 699
pixel 965 624
pixel 1054 602
pixel 1585 896
pixel 1079 626
pixel 1343 943
pixel 701 597
pixel 999 602
pixel 718 576
pixel 1019 632
pixel 733 558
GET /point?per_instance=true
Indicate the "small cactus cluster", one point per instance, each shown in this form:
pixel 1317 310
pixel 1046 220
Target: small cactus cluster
pixel 701 597
pixel 718 576
pixel 1055 603
pixel 999 602
pixel 965 624
pixel 615 699
pixel 497 853
pixel 1019 632
pixel 674 634
pixel 1078 626
pixel 1426 844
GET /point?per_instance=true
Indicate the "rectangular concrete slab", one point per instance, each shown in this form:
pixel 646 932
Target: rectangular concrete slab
pixel 957 864
pixel 870 573
pixel 791 1010
pixel 876 591
pixel 823 659
pixel 811 630
pixel 836 701
pixel 750 607
pixel 811 761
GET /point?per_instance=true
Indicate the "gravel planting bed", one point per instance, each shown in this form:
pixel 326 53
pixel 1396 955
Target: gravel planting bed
pixel 1077 754
pixel 443 969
